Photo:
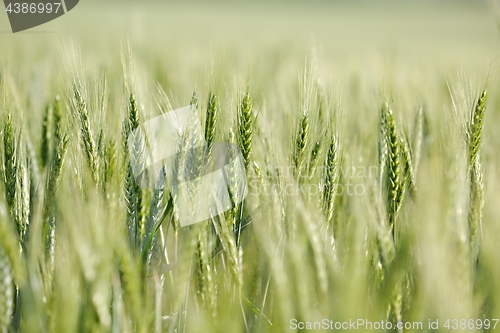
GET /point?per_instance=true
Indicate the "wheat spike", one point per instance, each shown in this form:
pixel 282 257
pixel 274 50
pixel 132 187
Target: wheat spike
pixel 301 140
pixel 133 192
pixel 211 121
pixel 10 167
pixel 475 128
pixel 476 192
pixel 89 145
pixel 52 186
pixel 395 187
pixel 331 178
pixel 314 158
pixel 245 129
pixel 383 149
pixel 408 166
pixel 46 137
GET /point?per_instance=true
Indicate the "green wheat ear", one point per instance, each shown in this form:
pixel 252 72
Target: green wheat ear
pixel 133 192
pixel 475 128
pixel 110 163
pixel 101 158
pixel 10 166
pixel 156 210
pixel 410 180
pixel 46 137
pixel 133 113
pixel 331 178
pixel 52 187
pixel 245 129
pixel 314 158
pixel 211 121
pixel 476 194
pixel 89 144
pixel 193 103
pixel 301 140
pixel 57 120
pixel 383 148
pixel 23 196
pixel 394 179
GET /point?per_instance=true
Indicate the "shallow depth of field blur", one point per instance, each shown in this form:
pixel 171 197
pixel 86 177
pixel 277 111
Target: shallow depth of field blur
pixel 371 166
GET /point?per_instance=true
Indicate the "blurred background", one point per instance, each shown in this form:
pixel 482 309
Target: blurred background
pixel 350 31
pixel 180 40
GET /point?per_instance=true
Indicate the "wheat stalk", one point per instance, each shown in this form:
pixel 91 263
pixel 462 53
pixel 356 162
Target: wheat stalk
pixel 418 137
pixel 204 273
pixel 233 252
pixel 476 192
pixel 476 205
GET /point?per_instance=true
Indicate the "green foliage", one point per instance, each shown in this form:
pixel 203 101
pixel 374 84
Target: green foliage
pixel 331 227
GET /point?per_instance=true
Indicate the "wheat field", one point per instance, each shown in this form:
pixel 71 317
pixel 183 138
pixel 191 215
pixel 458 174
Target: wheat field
pixel 368 145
